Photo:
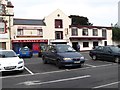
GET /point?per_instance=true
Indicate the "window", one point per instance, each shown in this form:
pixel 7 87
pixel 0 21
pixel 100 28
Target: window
pixel 104 33
pixel 85 44
pixel 85 32
pixel 2 9
pixel 40 32
pixel 74 31
pixel 95 32
pixel 2 27
pixel 95 43
pixel 20 32
pixel 58 23
pixel 58 35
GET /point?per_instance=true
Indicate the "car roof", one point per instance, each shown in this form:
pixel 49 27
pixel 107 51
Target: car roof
pixel 6 50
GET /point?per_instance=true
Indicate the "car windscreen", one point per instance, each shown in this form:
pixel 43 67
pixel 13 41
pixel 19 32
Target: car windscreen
pixel 115 49
pixel 24 49
pixel 65 48
pixel 7 54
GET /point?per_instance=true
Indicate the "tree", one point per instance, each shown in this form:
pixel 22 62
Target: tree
pixel 79 20
pixel 116 34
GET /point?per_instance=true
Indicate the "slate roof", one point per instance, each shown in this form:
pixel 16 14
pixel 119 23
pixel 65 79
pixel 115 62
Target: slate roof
pixel 28 22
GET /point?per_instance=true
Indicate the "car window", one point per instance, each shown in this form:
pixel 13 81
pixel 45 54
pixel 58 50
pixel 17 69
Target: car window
pixel 115 49
pixel 25 49
pixel 106 49
pixel 99 48
pixel 8 53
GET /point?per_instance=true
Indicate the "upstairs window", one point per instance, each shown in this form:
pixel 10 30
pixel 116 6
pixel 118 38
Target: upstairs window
pixel 2 9
pixel 58 23
pixel 20 32
pixel 104 33
pixel 85 32
pixel 2 27
pixel 95 32
pixel 74 31
pixel 40 32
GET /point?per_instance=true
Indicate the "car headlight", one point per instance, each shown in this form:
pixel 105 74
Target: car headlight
pixel 82 58
pixel 67 58
pixel 20 62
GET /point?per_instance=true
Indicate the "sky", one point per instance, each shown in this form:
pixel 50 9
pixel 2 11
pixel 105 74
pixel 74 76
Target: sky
pixel 99 12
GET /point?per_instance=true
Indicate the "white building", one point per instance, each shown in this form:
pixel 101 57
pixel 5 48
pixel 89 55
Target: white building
pixel 6 20
pixel 56 28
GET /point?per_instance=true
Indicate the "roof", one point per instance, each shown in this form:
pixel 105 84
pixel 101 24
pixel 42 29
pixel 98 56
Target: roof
pixel 28 22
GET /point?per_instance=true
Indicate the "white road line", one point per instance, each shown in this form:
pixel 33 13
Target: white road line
pixel 54 81
pixel 90 65
pixel 106 85
pixel 57 71
pixel 29 71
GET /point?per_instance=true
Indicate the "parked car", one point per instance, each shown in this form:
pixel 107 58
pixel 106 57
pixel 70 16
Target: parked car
pixel 42 49
pixel 62 55
pixel 9 61
pixel 25 52
pixel 108 53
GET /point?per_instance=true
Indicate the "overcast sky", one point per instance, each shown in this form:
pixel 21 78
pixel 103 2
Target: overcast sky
pixel 99 12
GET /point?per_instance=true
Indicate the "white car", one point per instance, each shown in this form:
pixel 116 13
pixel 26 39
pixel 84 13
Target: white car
pixel 9 61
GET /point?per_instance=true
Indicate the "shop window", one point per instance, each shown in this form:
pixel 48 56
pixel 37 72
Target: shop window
pixel 2 27
pixel 85 44
pixel 85 32
pixel 2 45
pixel 58 23
pixel 20 32
pixel 95 43
pixel 74 31
pixel 95 32
pixel 40 32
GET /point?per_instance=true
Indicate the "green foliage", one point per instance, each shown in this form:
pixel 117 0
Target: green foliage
pixel 115 34
pixel 79 20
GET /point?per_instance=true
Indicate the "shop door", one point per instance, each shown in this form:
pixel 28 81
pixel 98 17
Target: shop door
pixel 36 47
pixel 74 45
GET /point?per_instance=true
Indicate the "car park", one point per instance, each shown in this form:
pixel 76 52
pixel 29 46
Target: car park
pixel 108 53
pixel 9 61
pixel 62 55
pixel 25 52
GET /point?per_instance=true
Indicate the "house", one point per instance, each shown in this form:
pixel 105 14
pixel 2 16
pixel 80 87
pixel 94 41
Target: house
pixel 56 28
pixel 6 18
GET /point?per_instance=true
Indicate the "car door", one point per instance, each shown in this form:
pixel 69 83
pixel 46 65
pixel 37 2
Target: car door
pixel 107 54
pixel 99 52
pixel 53 54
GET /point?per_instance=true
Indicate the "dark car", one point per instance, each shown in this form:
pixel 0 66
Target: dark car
pixel 62 55
pixel 108 53
pixel 42 49
pixel 25 52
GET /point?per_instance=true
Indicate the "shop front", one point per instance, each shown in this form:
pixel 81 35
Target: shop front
pixel 34 45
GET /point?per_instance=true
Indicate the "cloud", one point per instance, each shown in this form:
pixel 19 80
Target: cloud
pixel 99 12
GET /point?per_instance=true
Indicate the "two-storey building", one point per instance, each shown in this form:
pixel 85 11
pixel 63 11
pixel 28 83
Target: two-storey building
pixel 56 28
pixel 6 22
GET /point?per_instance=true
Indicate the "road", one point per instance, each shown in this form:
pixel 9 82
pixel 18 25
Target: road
pixel 94 74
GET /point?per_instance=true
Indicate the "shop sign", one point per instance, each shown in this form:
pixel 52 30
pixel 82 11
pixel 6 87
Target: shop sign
pixel 29 41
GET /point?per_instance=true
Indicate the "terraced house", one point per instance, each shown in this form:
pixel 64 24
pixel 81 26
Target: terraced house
pixel 56 28
pixel 6 22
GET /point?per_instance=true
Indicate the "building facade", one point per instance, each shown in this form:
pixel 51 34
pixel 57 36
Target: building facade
pixel 56 28
pixel 6 22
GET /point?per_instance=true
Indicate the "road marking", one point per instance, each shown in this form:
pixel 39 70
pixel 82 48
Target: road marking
pixel 106 85
pixel 90 65
pixel 29 71
pixel 54 81
pixel 58 71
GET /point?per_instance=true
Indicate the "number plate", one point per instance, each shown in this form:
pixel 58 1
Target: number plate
pixel 76 61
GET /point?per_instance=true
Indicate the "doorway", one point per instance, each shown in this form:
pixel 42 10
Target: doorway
pixel 74 45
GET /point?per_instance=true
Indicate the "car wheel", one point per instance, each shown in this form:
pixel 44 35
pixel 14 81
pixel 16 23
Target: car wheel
pixel 94 57
pixel 58 64
pixel 116 60
pixel 44 60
